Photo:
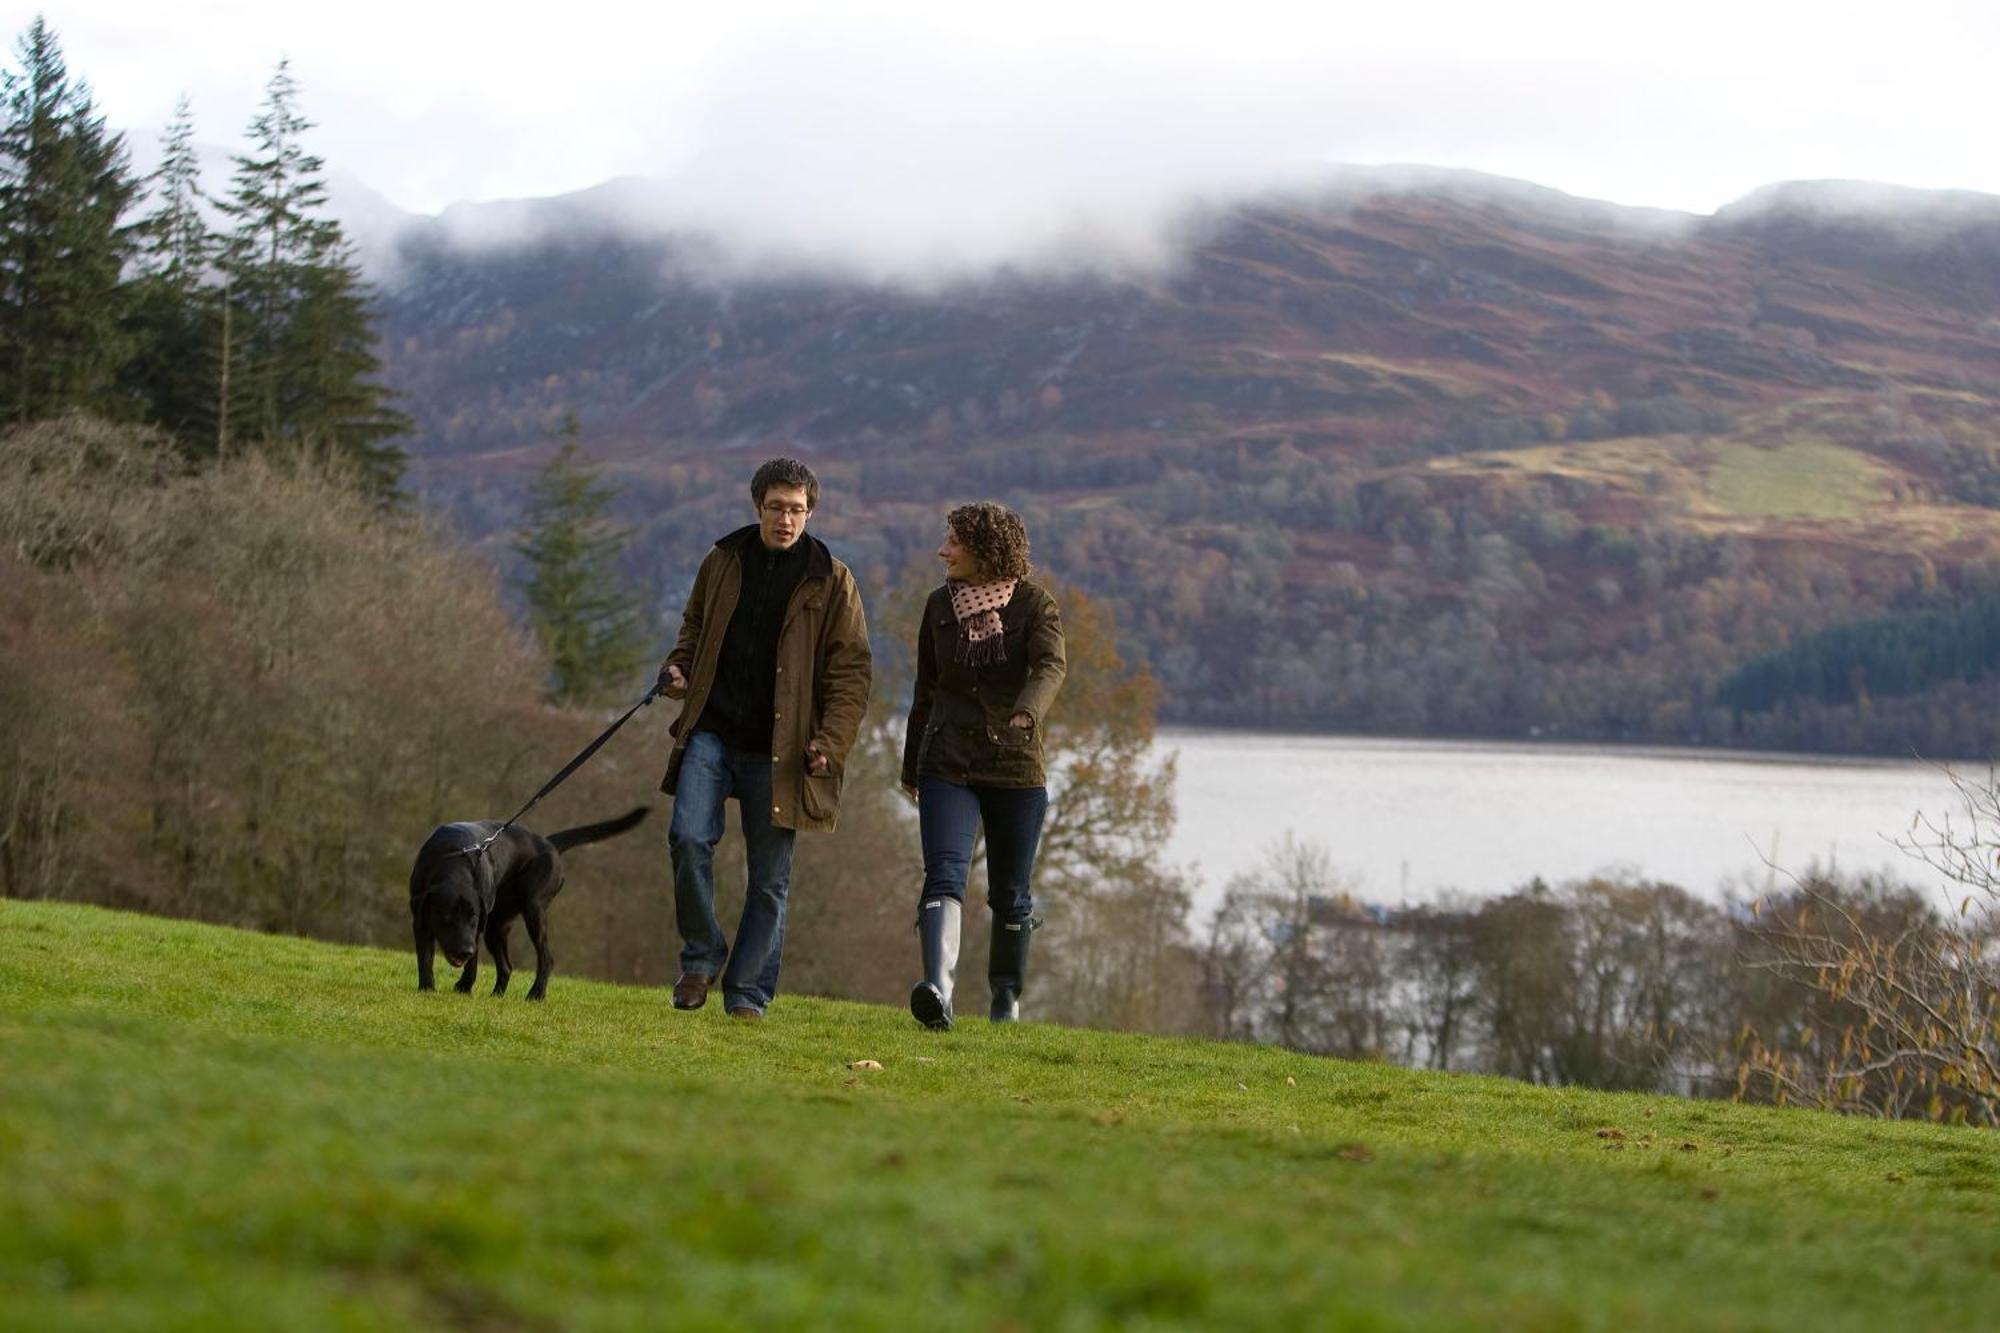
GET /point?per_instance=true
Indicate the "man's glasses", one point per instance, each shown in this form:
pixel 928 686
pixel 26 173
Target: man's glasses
pixel 786 511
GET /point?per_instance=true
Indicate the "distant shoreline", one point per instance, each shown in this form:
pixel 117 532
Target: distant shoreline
pixel 1635 749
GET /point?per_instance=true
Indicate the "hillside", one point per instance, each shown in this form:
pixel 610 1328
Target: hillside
pixel 207 1128
pixel 1426 452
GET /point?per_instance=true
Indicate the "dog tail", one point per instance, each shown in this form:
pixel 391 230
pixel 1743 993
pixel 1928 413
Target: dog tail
pixel 610 828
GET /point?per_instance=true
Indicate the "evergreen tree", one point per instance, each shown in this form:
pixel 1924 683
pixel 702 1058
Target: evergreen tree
pixel 65 183
pixel 591 625
pixel 297 347
pixel 176 313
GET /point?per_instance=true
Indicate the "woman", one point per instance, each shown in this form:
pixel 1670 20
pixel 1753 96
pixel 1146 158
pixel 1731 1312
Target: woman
pixel 989 663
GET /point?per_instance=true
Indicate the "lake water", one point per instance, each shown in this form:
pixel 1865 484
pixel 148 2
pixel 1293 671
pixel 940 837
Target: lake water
pixel 1403 819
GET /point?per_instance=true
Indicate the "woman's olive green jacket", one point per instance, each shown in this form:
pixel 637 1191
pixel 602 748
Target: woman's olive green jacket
pixel 960 714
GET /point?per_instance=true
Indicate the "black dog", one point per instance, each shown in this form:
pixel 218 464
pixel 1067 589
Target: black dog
pixel 459 892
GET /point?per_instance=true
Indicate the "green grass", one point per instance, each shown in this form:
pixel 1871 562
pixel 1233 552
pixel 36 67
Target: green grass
pixel 1803 479
pixel 202 1128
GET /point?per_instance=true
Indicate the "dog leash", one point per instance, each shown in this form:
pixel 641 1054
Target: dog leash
pixel 569 768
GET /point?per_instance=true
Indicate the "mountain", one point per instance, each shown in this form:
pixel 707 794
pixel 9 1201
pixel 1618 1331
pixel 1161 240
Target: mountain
pixel 1420 451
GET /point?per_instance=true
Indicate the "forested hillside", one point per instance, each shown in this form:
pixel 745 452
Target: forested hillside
pixel 1439 454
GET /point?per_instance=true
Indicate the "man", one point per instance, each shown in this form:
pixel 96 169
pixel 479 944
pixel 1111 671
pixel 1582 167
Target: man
pixel 773 666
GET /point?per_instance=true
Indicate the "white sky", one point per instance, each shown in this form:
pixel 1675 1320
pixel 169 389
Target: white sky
pixel 945 125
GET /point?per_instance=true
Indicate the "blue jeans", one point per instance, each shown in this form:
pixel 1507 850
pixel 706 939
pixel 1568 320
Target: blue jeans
pixel 710 774
pixel 949 815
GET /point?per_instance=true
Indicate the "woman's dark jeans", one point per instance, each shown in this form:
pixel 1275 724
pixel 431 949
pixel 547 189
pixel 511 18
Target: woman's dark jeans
pixel 950 814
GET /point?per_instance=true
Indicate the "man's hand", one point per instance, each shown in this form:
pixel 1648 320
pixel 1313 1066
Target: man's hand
pixel 1021 722
pixel 817 763
pixel 673 683
pixel 910 792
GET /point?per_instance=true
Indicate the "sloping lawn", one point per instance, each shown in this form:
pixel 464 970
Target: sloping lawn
pixel 203 1128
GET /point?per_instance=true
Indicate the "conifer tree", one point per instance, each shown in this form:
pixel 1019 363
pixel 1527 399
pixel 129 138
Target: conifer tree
pixel 297 352
pixel 176 302
pixel 65 183
pixel 589 622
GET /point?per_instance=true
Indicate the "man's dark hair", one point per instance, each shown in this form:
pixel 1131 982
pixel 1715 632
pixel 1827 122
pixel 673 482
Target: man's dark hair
pixel 784 472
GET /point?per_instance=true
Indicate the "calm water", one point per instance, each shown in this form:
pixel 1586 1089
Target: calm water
pixel 1403 819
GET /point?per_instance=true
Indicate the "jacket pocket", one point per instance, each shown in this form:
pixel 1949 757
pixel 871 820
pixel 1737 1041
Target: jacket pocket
pixel 1003 735
pixel 820 797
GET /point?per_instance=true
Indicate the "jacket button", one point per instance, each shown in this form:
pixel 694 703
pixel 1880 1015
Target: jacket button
pixel 775 810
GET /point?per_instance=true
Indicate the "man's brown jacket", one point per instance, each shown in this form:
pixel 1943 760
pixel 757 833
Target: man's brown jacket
pixel 824 667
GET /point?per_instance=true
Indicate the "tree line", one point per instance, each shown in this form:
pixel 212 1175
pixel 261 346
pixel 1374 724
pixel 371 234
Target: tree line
pixel 231 322
pixel 1876 657
pixel 1858 995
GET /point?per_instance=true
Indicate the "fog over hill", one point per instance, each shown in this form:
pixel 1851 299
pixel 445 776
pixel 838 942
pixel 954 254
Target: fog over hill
pixel 1152 233
pixel 1145 231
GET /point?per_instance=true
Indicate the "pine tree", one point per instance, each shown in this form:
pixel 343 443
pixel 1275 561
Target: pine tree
pixel 176 313
pixel 175 245
pixel 65 183
pixel 297 347
pixel 591 625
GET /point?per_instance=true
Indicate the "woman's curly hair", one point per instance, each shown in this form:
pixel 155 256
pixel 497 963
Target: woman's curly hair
pixel 996 537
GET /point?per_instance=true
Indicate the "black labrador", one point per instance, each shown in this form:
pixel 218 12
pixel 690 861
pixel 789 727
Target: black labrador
pixel 459 892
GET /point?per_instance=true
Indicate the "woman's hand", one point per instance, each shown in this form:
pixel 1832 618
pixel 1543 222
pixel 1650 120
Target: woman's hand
pixel 909 793
pixel 1021 722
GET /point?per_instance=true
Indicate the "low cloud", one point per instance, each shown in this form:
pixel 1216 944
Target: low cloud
pixel 930 147
pixel 907 158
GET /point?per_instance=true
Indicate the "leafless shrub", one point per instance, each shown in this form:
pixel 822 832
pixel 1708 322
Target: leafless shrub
pixel 297 684
pixel 1127 961
pixel 76 488
pixel 1608 982
pixel 1895 999
pixel 64 759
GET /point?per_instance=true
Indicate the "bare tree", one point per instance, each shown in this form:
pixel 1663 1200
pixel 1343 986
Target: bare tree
pixel 1293 959
pixel 1439 970
pixel 1896 999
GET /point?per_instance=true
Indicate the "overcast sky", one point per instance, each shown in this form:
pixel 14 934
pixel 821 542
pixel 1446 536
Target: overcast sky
pixel 978 129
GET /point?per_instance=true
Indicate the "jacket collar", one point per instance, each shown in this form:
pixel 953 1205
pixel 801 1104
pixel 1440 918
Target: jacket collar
pixel 819 560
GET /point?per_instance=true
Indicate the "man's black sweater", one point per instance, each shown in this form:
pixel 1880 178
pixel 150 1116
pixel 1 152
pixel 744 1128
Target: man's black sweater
pixel 746 675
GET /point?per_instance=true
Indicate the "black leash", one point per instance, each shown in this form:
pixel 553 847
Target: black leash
pixel 567 769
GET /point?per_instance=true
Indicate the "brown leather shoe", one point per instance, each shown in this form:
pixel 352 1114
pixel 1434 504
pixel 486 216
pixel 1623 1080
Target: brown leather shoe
pixel 691 991
pixel 745 1014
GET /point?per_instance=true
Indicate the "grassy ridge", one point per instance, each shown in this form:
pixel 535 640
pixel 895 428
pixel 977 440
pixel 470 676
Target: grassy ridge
pixel 204 1128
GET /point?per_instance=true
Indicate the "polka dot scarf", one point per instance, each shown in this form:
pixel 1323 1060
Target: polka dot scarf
pixel 977 607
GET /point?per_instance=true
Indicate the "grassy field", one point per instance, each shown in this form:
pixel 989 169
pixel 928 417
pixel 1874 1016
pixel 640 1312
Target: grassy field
pixel 202 1128
pixel 1802 479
